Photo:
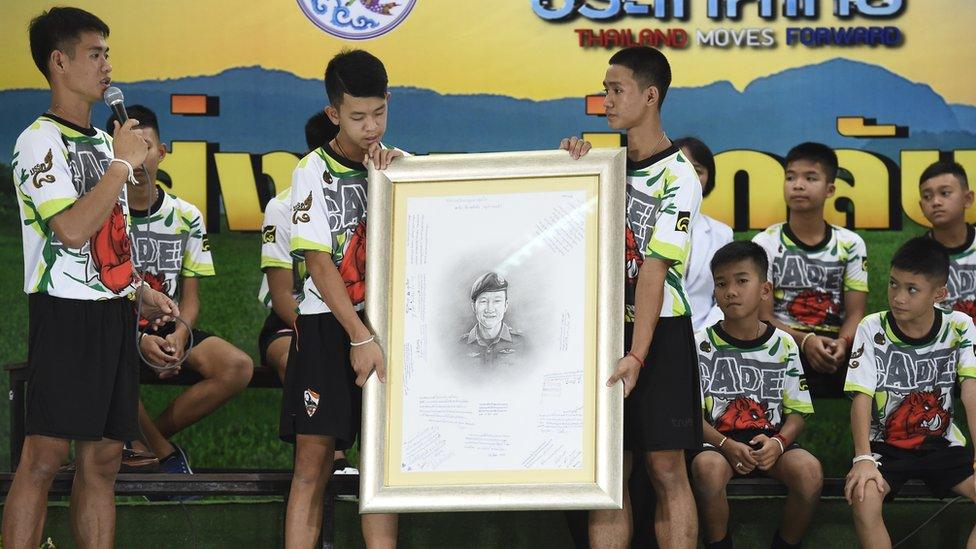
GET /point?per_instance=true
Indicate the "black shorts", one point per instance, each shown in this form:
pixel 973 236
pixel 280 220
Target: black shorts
pixel 273 328
pixel 743 436
pixel 320 395
pixel 823 385
pixel 941 467
pixel 664 412
pixel 83 382
pixel 169 328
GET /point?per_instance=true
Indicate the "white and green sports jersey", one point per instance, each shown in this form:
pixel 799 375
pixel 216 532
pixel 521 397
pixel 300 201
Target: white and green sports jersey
pixel 809 281
pixel 962 276
pixel 663 200
pixel 171 243
pixel 911 380
pixel 276 244
pixel 54 164
pixel 750 384
pixel 328 214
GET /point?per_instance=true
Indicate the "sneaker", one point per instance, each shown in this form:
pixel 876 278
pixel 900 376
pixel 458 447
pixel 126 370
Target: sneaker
pixel 176 463
pixel 342 467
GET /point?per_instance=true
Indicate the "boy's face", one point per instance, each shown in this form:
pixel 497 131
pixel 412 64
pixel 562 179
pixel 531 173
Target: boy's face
pixel 740 289
pixel 912 295
pixel 362 120
pixel 626 102
pixel 806 187
pixel 86 70
pixel 944 201
pixel 157 151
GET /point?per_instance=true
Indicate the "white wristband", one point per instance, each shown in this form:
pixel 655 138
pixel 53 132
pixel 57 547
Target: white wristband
pixel 874 458
pixel 132 177
pixel 363 342
pixel 782 450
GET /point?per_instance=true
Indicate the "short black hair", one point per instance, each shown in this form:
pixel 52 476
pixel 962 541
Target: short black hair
pixel 319 130
pixel 703 155
pixel 145 116
pixel 943 167
pixel 650 66
pixel 815 152
pixel 742 250
pixel 60 29
pixel 925 256
pixel 356 72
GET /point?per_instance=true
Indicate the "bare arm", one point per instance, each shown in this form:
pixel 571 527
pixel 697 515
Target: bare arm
pixel 855 304
pixel 862 472
pixel 329 283
pixel 968 397
pixel 648 298
pixel 792 428
pixel 280 286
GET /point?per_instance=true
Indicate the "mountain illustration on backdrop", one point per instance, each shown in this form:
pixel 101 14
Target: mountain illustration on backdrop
pixel 263 110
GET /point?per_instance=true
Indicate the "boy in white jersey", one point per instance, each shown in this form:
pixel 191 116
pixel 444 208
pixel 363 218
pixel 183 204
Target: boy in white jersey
pixel 662 412
pixel 333 351
pixel 284 274
pixel 84 384
pixel 818 270
pixel 945 197
pixel 904 368
pixel 172 251
pixel 754 399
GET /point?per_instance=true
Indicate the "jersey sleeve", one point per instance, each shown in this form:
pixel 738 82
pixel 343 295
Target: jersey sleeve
pixel 197 261
pixel 796 395
pixel 680 202
pixel 310 212
pixel 856 268
pixel 965 353
pixel 862 370
pixel 42 173
pixel 765 241
pixel 276 236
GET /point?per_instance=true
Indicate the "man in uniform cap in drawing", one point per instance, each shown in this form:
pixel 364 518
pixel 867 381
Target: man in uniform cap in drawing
pixel 491 339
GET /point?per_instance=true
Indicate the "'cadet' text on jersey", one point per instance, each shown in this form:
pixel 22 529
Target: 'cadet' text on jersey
pixel 171 243
pixel 55 163
pixel 750 384
pixel 809 281
pixel 962 276
pixel 663 199
pixel 911 380
pixel 328 214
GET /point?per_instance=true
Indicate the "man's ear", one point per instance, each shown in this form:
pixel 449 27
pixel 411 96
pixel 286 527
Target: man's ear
pixel 941 294
pixel 333 114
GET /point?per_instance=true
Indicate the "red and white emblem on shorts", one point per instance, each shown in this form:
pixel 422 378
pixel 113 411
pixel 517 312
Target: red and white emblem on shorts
pixel 311 402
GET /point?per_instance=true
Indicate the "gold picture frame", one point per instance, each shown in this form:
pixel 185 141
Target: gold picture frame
pixel 584 470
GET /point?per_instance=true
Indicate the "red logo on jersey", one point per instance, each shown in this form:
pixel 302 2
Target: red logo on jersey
pixel 632 256
pixel 110 252
pixel 813 308
pixel 919 416
pixel 743 413
pixel 968 307
pixel 353 265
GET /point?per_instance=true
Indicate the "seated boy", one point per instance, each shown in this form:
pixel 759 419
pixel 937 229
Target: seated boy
pixel 818 271
pixel 754 398
pixel 172 252
pixel 903 370
pixel 945 197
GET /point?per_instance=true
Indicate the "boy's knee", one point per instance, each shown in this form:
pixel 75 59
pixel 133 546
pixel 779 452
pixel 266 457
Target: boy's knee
pixel 668 470
pixel 808 479
pixel 236 370
pixel 708 476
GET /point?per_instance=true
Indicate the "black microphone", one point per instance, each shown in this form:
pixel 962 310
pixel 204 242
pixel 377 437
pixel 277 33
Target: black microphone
pixel 116 101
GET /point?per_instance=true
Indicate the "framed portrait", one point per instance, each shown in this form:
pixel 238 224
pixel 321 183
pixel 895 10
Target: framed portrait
pixel 495 289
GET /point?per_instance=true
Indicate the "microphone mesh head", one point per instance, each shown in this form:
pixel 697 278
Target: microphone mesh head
pixel 112 96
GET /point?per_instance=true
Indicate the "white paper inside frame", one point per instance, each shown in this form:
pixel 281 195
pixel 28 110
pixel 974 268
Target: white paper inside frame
pixel 513 401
